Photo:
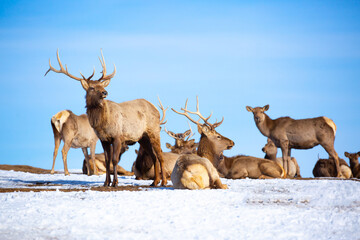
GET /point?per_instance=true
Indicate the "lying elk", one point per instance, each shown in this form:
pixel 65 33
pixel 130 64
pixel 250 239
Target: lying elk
pixel 76 132
pixel 354 163
pixel 101 166
pixel 119 124
pixel 288 133
pixel 241 166
pixel 326 168
pixel 143 166
pixel 270 151
pixel 197 171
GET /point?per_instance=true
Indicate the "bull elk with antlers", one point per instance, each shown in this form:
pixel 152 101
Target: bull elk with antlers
pixel 119 124
pixel 288 133
pixel 197 171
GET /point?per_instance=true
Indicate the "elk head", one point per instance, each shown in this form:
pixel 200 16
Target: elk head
pixel 353 157
pixel 95 89
pixel 270 147
pixel 182 143
pixel 259 113
pixel 207 130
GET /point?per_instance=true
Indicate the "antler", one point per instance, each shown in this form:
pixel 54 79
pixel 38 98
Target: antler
pixel 191 133
pixel 163 111
pixel 104 76
pixel 64 70
pixel 186 111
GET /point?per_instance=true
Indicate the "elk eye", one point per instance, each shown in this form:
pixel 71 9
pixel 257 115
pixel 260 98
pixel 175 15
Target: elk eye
pixel 218 137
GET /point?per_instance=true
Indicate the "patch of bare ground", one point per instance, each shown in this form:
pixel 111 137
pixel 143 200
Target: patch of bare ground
pixel 24 168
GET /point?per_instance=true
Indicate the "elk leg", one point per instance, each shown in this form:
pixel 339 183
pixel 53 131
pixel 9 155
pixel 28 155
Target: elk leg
pixel 332 154
pixel 108 155
pixel 92 155
pixel 146 144
pixel 57 144
pixel 156 148
pixel 117 149
pixel 284 145
pixel 86 155
pixel 64 152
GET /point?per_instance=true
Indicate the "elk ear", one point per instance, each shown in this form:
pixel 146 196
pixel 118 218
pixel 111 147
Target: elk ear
pixel 346 154
pixel 168 145
pixel 266 107
pixel 249 109
pixel 84 84
pixel 187 133
pixel 192 141
pixel 269 140
pixel 205 130
pixel 105 83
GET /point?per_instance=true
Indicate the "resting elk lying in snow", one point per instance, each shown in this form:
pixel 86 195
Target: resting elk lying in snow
pixel 270 151
pixel 288 133
pixel 76 132
pixel 100 164
pixel 197 171
pixel 143 166
pixel 119 124
pixel 354 163
pixel 252 167
pixel 326 168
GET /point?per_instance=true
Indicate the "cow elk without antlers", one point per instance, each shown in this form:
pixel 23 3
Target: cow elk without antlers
pixel 119 124
pixel 76 132
pixel 198 171
pixel 288 133
pixel 354 163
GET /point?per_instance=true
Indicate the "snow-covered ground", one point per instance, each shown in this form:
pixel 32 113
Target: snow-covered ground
pixel 249 209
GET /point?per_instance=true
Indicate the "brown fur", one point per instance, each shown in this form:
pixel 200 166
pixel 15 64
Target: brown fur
pixel 326 168
pixel 76 132
pixel 198 171
pixel 288 133
pixel 354 163
pixel 100 164
pixel 120 124
pixel 246 166
pixel 270 151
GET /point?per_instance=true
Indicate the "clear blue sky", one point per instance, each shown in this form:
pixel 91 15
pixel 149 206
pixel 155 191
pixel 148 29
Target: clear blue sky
pixel 302 58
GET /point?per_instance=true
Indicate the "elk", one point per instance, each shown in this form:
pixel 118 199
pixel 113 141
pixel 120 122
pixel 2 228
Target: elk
pixel 100 165
pixel 242 166
pixel 197 171
pixel 270 151
pixel 143 166
pixel 118 125
pixel 354 163
pixel 288 133
pixel 326 168
pixel 76 132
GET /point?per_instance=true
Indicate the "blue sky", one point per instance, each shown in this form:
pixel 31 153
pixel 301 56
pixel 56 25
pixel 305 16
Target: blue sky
pixel 302 58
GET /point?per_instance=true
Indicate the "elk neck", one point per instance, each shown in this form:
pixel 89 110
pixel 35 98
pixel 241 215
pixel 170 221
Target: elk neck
pixel 206 150
pixel 270 156
pixel 97 112
pixel 266 126
pixel 354 164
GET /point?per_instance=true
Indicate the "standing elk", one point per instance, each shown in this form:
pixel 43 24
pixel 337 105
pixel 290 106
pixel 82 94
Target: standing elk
pixel 76 132
pixel 326 168
pixel 288 133
pixel 119 124
pixel 197 171
pixel 270 151
pixel 354 163
pixel 143 166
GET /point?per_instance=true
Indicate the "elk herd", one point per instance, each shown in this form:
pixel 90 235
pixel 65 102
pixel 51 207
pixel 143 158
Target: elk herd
pixel 189 165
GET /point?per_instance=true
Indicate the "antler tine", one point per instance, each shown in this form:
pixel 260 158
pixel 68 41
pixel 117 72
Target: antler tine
pixel 104 76
pixel 191 134
pixel 164 112
pixel 185 113
pixel 171 134
pixel 216 124
pixel 198 112
pixel 62 69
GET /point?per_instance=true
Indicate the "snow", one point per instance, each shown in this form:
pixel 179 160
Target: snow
pixel 249 209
